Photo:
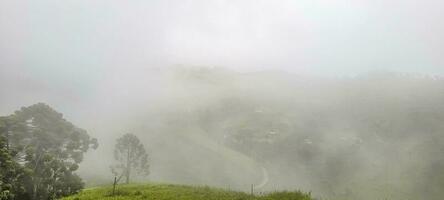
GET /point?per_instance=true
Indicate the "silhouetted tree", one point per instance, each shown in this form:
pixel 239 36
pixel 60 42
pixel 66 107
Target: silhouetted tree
pixel 130 155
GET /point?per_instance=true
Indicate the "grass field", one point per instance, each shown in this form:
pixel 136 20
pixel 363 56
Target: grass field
pixel 179 192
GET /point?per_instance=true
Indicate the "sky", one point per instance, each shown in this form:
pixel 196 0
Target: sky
pixel 77 44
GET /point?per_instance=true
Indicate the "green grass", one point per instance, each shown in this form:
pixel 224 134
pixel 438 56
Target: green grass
pixel 179 192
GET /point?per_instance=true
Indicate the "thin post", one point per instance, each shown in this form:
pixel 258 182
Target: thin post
pixel 252 189
pixel 114 184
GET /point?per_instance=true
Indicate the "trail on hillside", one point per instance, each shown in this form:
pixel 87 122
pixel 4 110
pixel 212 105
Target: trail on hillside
pixel 199 137
pixel 265 179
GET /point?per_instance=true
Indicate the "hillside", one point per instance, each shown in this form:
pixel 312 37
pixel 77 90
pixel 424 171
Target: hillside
pixel 179 192
pixel 372 136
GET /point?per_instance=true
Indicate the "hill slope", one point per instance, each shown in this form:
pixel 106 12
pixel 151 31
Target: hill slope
pixel 179 192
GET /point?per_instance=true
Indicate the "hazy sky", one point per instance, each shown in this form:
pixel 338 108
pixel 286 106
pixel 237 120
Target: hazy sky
pixel 78 43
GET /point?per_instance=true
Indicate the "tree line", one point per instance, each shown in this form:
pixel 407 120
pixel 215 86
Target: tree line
pixel 40 152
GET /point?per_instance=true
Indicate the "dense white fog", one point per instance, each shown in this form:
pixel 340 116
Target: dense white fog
pixel 341 98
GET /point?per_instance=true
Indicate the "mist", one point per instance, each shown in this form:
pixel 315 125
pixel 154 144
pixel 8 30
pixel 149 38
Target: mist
pixel 341 98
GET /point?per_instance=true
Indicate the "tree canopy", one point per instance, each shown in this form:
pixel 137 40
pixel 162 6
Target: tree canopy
pixel 41 151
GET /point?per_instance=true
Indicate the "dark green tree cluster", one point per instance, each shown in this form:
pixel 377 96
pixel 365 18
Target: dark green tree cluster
pixel 39 153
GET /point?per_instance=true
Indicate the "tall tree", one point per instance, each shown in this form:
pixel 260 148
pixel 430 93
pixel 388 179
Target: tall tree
pixel 130 155
pixel 48 148
pixel 12 174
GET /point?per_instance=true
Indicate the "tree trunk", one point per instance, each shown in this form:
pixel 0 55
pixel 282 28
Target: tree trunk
pixel 128 166
pixel 34 190
pixel 127 176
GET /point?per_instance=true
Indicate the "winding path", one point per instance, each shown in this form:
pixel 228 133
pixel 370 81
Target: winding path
pixel 265 179
pixel 200 138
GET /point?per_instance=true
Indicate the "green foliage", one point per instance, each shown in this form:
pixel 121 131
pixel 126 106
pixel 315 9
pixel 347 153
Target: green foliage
pixel 11 174
pixel 130 154
pixel 180 192
pixel 42 150
pixel 286 195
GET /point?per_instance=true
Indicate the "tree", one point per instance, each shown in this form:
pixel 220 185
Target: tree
pixel 47 148
pixel 11 174
pixel 130 155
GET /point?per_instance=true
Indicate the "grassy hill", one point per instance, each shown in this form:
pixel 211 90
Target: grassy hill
pixel 179 192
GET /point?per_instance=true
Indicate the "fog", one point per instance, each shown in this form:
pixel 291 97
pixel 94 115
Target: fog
pixel 341 98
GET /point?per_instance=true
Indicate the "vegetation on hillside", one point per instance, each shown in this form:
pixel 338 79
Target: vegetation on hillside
pixel 179 192
pixel 372 136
